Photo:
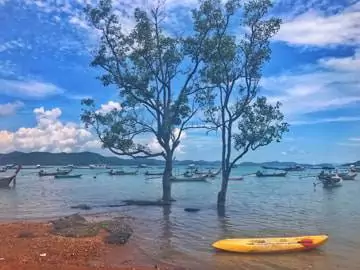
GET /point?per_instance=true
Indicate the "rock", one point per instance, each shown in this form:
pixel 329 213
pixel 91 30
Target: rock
pixel 145 203
pixel 26 234
pixel 115 205
pixel 74 226
pixel 120 232
pixel 117 239
pixel 82 207
pixel 116 226
pixel 68 221
pixel 88 230
pixel 192 210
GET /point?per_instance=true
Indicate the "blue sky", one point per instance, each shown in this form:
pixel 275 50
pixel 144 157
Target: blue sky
pixel 46 47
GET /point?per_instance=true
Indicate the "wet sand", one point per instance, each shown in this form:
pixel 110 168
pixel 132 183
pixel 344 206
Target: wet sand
pixel 30 246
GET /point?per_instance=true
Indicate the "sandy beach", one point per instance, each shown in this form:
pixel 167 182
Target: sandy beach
pixel 30 246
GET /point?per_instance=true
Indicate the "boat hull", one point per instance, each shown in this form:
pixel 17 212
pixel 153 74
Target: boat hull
pixel 271 245
pixel 271 175
pixel 67 176
pixel 189 179
pixel 240 178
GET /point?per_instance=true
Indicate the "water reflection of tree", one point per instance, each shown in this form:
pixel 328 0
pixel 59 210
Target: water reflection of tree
pixel 224 222
pixel 166 229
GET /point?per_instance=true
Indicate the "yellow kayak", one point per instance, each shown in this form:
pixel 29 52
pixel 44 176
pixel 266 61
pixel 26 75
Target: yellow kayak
pixel 268 245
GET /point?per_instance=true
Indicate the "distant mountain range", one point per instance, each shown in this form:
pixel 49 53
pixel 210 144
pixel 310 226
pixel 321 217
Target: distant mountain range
pixel 86 158
pixel 356 163
pixel 83 159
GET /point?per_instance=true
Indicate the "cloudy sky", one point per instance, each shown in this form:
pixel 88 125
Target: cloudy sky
pixel 45 51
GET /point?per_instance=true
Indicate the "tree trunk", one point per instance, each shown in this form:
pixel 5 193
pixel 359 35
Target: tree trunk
pixel 222 193
pixel 167 180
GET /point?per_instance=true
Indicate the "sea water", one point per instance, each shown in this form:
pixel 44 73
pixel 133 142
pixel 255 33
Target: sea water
pixel 284 206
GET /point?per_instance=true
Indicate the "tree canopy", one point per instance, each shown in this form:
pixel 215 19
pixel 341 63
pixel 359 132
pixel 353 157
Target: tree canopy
pixel 232 72
pixel 157 78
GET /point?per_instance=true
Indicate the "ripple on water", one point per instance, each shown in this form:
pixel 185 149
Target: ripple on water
pixel 256 207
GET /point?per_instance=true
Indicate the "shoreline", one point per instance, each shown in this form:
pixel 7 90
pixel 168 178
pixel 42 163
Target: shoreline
pixel 28 244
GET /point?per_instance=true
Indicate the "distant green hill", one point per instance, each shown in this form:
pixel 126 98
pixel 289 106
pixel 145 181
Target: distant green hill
pixel 86 158
pixel 80 159
pixel 83 159
pixel 356 163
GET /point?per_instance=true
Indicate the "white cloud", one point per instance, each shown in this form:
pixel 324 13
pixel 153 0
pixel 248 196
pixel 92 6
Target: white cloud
pixel 350 144
pixel 108 107
pixel 345 64
pixel 315 28
pixel 330 83
pixel 79 22
pixel 7 68
pixel 11 45
pixel 155 147
pixel 327 120
pixel 10 108
pixel 28 88
pixel 293 150
pixel 49 134
pixel 6 141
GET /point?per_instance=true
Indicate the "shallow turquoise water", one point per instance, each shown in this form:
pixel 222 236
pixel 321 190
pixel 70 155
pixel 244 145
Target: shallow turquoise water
pixel 256 207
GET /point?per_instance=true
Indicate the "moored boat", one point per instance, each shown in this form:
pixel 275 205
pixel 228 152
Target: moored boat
pixel 58 172
pixel 348 176
pixel 236 178
pixel 68 176
pixel 153 173
pixel 6 181
pixel 330 180
pixel 261 174
pixel 354 168
pixel 112 172
pixel 211 174
pixel 201 178
pixel 98 166
pixel 295 168
pixel 188 174
pixel 271 245
pixel 10 166
pixel 191 167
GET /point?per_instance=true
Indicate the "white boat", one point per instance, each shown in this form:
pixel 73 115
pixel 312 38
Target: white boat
pixel 331 181
pixel 70 166
pixel 98 166
pixel 348 176
pixel 354 168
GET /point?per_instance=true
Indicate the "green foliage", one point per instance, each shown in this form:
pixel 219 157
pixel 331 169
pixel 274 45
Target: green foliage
pixel 260 125
pixel 143 63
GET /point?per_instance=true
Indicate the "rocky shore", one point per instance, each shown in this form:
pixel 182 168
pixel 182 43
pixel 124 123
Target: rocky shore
pixel 72 243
